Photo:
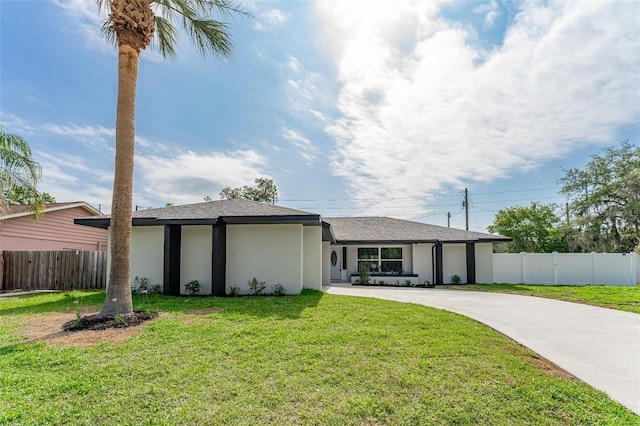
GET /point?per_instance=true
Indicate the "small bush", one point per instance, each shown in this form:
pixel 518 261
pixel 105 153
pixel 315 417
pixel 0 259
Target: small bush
pixel 278 290
pixel 455 279
pixel 364 276
pixel 408 282
pixel 233 291
pixel 382 282
pixel 155 289
pixel 257 287
pixel 192 287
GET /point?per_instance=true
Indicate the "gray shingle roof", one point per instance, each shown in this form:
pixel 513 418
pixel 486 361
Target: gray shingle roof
pixel 233 211
pixel 218 208
pixel 386 229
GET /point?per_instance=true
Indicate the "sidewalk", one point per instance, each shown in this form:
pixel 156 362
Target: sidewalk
pixel 597 345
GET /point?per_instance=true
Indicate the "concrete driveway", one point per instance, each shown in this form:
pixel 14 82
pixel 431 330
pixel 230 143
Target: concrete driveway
pixel 599 346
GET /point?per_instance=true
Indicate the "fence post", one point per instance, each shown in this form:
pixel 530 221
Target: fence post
pixel 633 260
pixel 555 268
pixel 523 266
pixel 593 268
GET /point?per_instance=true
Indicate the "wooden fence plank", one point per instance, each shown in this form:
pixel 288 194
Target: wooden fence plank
pixel 53 270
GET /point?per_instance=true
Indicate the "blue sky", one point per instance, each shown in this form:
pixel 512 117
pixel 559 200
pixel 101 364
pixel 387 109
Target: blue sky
pixel 352 107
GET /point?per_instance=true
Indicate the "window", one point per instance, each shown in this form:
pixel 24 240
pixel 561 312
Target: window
pixel 380 260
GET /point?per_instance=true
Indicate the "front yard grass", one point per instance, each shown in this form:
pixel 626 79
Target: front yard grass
pixel 315 359
pixel 623 298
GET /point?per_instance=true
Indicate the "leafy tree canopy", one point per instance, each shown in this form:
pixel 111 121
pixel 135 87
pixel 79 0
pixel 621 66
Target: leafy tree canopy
pixel 21 196
pixel 534 229
pixel 605 200
pixel 265 191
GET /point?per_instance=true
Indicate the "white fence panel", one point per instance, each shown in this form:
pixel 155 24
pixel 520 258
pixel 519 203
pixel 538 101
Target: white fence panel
pixel 507 268
pixel 566 268
pixel 539 268
pixel 575 268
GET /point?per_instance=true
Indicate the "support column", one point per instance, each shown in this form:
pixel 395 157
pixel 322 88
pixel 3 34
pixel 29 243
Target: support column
pixel 219 259
pixel 439 269
pixel 471 263
pixel 172 244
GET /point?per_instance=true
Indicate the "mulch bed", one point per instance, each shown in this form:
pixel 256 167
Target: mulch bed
pixel 92 322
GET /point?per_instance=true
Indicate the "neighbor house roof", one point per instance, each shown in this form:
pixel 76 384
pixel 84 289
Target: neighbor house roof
pixel 389 230
pixel 210 212
pixel 26 210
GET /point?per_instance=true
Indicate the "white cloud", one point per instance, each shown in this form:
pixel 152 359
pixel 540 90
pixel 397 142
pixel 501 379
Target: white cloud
pixel 87 21
pixel 94 136
pixel 419 113
pixel 306 149
pixel 187 177
pixel 13 124
pixel 269 19
pixel 491 12
pixel 293 64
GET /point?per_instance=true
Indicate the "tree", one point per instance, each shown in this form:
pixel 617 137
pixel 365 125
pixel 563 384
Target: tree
pixel 534 229
pixel 131 26
pixel 19 173
pixel 605 200
pixel 265 191
pixel 21 196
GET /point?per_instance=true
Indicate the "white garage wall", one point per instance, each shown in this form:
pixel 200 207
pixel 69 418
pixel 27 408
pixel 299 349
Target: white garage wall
pixel 454 262
pixel 270 253
pixel 326 263
pixel 312 258
pixel 484 263
pixel 422 264
pixel 195 256
pixel 147 253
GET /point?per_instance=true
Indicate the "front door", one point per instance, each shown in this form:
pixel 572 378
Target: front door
pixel 336 270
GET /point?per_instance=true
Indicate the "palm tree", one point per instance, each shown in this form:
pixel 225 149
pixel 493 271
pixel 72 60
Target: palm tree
pixel 132 25
pixel 18 171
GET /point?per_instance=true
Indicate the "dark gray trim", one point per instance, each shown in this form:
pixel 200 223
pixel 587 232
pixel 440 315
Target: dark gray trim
pixel 344 257
pixel 327 233
pixel 307 220
pixel 219 259
pixel 438 279
pixel 370 242
pixel 471 263
pixel 172 245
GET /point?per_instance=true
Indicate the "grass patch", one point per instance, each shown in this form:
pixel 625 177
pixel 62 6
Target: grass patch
pixel 623 298
pixel 310 359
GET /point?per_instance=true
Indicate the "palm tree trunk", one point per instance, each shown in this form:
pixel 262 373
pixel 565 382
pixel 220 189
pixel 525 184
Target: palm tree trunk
pixel 118 299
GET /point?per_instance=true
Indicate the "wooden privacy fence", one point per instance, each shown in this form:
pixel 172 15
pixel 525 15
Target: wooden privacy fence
pixel 54 270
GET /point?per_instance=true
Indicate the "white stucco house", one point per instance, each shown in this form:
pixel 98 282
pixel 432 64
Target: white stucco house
pixel 226 243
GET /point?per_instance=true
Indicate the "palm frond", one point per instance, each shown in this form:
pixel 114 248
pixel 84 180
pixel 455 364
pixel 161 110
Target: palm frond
pixel 166 37
pixel 209 35
pixel 109 33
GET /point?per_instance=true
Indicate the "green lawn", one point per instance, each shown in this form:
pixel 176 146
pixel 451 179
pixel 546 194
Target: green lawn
pixel 310 359
pixel 624 298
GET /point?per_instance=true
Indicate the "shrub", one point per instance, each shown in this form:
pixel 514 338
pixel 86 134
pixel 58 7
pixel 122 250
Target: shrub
pixel 257 287
pixel 156 289
pixel 192 288
pixel 233 291
pixel 408 282
pixel 141 283
pixel 364 276
pixel 455 279
pixel 383 282
pixel 278 290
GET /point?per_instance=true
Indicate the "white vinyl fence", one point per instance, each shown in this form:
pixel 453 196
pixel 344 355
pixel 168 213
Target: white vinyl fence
pixel 566 268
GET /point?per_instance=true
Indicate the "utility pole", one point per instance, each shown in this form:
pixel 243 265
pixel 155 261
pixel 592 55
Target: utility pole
pixel 448 219
pixel 466 208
